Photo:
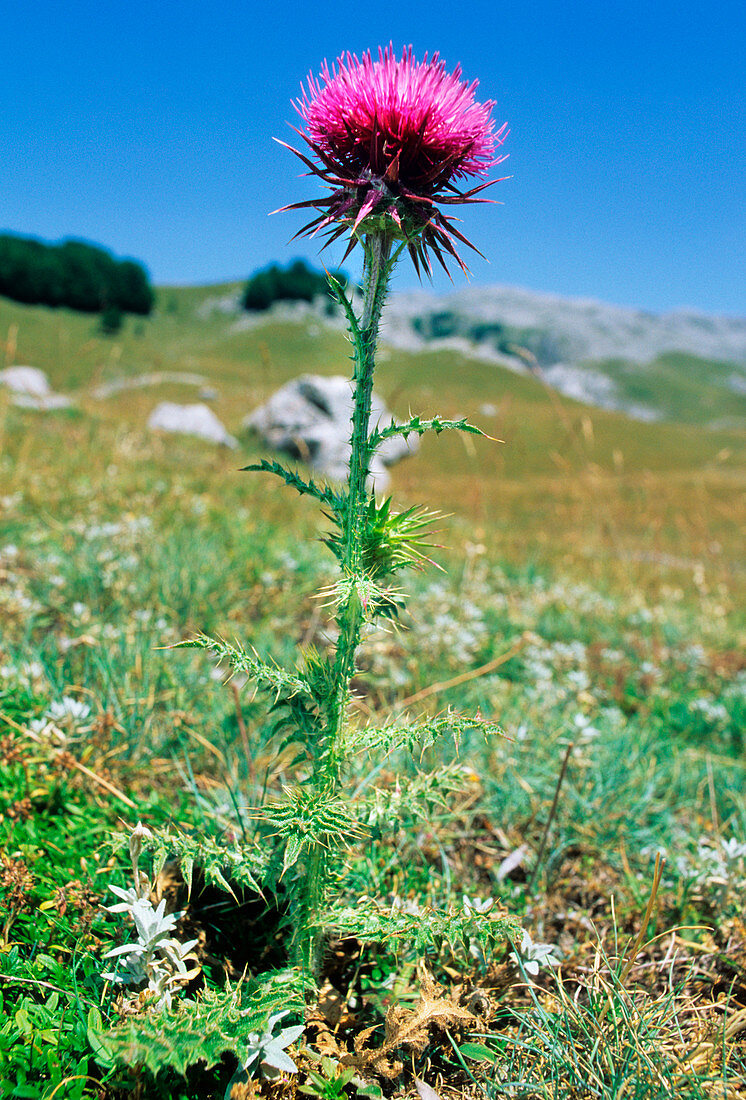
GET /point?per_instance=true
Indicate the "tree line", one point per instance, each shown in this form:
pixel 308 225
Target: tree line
pixel 72 273
pixel 295 283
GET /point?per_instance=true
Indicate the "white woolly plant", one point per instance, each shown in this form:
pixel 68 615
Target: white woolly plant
pixel 267 1050
pixel 530 957
pixel 154 964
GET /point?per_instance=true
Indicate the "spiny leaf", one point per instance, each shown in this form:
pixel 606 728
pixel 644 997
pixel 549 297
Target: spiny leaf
pixel 319 673
pixel 337 290
pixel 410 1029
pixel 375 600
pixel 159 860
pixel 419 735
pixel 390 540
pixel 425 930
pixel 385 810
pixel 270 677
pixel 218 1022
pixel 187 870
pixel 312 817
pixel 293 849
pixel 292 478
pixel 247 865
pixel 417 426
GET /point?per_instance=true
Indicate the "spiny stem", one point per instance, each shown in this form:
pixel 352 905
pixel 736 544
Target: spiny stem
pixel 350 618
pixel 309 932
pixel 377 271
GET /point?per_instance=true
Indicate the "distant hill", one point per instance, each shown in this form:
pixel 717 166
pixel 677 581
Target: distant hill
pixel 683 365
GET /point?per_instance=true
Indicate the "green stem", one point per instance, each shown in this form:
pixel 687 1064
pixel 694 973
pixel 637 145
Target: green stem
pixel 309 932
pixel 377 272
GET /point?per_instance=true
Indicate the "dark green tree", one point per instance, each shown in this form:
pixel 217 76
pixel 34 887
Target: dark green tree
pixel 73 273
pixel 296 283
pixel 134 294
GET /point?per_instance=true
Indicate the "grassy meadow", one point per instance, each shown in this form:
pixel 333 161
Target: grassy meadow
pixel 590 600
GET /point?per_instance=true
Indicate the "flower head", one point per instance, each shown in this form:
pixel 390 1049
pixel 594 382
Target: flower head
pixel 391 138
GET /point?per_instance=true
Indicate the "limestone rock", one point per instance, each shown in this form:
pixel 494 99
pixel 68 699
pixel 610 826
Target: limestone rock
pixel 310 419
pixel 31 390
pixel 196 420
pixel 29 380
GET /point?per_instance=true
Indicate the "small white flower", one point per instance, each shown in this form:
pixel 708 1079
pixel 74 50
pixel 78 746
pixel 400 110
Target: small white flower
pixel 129 897
pixel 32 670
pixel 405 905
pixel 270 1049
pixel 155 962
pixel 512 860
pixel 586 732
pixel 733 849
pixel 137 836
pixel 579 679
pixel 38 725
pixel 68 709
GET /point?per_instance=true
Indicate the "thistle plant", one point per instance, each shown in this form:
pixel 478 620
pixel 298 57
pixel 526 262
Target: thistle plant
pixel 390 139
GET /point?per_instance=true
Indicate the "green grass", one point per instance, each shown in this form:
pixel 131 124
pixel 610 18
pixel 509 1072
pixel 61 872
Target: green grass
pixel 602 553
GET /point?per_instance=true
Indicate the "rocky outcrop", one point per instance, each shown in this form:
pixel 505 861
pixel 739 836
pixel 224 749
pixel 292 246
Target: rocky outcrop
pixel 197 420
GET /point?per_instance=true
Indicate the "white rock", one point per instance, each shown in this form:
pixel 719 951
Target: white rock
pixel 310 419
pixel 28 380
pixel 30 389
pixel 190 420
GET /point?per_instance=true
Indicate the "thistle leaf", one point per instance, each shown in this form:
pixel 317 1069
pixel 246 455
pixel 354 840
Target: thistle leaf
pixel 417 426
pixel 311 817
pixel 159 860
pixel 270 677
pixel 337 291
pixel 390 540
pixel 425 930
pixel 248 865
pixel 293 849
pixel 419 735
pixel 203 1030
pixel 324 493
pixel 187 870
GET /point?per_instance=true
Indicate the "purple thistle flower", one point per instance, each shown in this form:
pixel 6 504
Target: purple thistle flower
pixel 390 137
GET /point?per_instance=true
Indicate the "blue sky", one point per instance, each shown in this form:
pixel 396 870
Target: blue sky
pixel 148 127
